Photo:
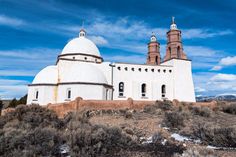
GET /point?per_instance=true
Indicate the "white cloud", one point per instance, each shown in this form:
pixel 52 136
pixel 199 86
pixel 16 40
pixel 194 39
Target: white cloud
pixel 33 53
pixel 12 88
pixel 26 62
pixel 216 68
pixel 214 83
pixel 199 51
pixel 224 77
pixel 202 57
pixel 204 33
pixel 228 61
pixel 9 21
pixel 18 72
pixel 199 89
pixel 99 40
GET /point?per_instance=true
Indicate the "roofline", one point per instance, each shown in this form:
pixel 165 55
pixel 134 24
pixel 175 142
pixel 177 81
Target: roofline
pixel 68 59
pixel 177 59
pixel 85 54
pixel 68 83
pixel 144 64
pixel 70 54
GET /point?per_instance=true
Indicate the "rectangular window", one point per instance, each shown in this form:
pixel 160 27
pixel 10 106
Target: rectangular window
pixel 143 90
pixel 36 94
pixel 68 93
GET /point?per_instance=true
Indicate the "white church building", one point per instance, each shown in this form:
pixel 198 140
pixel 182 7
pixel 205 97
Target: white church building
pixel 81 72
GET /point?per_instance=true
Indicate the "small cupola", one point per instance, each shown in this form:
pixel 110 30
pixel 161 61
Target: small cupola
pixel 153 38
pixel 173 25
pixel 82 33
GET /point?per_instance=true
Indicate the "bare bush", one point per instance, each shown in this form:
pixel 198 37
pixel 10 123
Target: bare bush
pixel 202 111
pixel 159 105
pixel 215 135
pixel 197 152
pixel 164 105
pixel 175 119
pixel 231 109
pixel 150 109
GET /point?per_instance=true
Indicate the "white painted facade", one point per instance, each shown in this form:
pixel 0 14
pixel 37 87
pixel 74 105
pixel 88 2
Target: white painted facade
pixel 81 72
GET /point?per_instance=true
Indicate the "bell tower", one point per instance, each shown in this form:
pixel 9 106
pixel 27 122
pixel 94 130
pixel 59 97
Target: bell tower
pixel 153 57
pixel 174 48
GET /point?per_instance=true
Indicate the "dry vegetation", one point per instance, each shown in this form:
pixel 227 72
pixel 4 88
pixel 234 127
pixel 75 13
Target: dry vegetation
pixel 36 131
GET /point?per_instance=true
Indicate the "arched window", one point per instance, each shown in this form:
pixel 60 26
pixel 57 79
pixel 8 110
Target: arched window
pixel 163 91
pixel 143 89
pixel 178 52
pixel 106 94
pixel 170 51
pixel 68 93
pixel 36 94
pixel 121 89
pixel 156 60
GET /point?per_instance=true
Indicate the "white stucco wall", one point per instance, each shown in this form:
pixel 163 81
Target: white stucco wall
pixel 134 79
pixel 46 94
pixel 93 92
pixel 183 82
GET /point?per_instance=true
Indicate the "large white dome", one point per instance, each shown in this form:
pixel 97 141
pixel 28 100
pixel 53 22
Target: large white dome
pixel 81 45
pixel 46 76
pixel 83 73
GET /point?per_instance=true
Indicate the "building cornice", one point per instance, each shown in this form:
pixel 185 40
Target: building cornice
pixel 84 54
pixel 71 83
pixel 144 64
pixel 177 59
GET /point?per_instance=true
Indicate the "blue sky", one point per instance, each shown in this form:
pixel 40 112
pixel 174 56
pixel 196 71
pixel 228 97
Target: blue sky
pixel 33 33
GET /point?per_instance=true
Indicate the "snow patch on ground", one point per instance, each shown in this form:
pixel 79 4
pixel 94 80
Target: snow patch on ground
pixel 220 148
pixel 146 140
pixel 164 142
pixel 65 150
pixel 179 137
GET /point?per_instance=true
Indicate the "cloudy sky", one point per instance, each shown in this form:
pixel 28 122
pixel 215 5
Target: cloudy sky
pixel 33 33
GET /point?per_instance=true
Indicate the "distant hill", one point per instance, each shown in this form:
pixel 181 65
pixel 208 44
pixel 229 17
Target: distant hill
pixel 223 97
pixel 6 102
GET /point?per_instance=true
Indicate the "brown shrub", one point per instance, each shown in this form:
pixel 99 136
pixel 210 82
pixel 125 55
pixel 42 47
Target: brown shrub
pixel 40 141
pixel 197 152
pixel 202 111
pixel 175 119
pixel 155 109
pixel 215 135
pixel 164 105
pixel 231 109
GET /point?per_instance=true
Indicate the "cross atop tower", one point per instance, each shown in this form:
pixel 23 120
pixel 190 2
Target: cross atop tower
pixel 173 20
pixel 173 26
